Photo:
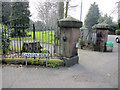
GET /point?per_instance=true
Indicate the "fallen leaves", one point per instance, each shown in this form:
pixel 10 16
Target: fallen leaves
pixel 108 75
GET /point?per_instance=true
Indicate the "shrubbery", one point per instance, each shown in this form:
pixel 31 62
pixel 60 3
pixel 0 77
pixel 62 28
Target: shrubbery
pixel 30 61
pixel 16 34
pixel 82 42
pixel 87 44
pixel 5 42
pixel 117 32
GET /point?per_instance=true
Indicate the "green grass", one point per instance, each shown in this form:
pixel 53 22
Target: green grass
pixel 15 48
pixel 5 27
pixel 42 36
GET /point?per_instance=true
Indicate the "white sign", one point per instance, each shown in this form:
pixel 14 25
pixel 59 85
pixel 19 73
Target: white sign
pixel 35 54
pixel 77 45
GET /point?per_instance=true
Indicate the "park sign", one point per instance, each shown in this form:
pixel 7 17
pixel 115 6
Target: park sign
pixel 42 55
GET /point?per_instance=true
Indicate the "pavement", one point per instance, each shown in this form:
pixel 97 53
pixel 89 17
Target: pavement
pixel 95 70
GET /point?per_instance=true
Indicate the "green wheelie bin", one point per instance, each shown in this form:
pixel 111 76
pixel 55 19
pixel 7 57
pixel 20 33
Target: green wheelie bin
pixel 109 46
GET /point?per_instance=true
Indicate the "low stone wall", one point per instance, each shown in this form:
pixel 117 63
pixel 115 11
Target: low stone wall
pixel 70 61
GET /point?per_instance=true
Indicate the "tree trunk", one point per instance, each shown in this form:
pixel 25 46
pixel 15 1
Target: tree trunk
pixel 61 10
pixel 66 13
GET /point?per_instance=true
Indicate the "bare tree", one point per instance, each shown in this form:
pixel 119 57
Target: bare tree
pixel 69 6
pixel 0 11
pixel 48 12
pixel 61 10
pixel 51 12
pixel 66 11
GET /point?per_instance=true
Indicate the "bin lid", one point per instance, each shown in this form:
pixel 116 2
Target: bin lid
pixel 109 43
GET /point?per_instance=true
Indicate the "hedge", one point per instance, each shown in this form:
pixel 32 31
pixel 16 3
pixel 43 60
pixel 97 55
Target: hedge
pixel 31 61
pixel 117 32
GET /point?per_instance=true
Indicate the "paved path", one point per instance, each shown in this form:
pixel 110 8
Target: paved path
pixel 95 70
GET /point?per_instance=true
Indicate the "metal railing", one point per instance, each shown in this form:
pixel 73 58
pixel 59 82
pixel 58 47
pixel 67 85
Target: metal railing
pixel 17 39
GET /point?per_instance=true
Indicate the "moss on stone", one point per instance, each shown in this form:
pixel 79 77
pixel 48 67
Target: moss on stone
pixel 84 28
pixel 70 22
pixel 69 19
pixel 101 26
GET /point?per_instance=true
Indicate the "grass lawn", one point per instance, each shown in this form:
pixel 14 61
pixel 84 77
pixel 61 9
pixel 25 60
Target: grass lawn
pixel 42 36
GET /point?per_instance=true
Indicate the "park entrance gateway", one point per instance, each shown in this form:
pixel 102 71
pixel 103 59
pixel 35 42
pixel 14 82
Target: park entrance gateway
pixel 48 42
pixel 29 43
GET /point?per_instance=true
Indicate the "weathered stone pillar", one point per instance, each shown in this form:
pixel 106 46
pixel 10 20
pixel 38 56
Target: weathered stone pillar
pixel 70 29
pixel 101 36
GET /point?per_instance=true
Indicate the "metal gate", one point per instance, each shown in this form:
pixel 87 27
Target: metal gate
pixel 17 39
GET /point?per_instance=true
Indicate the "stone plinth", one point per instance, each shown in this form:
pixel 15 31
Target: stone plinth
pixel 31 46
pixel 70 29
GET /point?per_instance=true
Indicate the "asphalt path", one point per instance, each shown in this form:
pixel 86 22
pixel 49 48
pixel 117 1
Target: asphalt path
pixel 95 70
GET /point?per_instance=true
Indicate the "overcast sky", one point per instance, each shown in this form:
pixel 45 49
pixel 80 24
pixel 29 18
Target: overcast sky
pixel 105 6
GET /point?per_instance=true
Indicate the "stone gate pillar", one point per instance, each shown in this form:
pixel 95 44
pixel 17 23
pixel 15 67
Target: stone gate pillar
pixel 101 36
pixel 70 29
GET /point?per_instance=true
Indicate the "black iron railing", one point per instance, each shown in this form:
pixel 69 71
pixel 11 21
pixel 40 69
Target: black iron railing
pixel 17 39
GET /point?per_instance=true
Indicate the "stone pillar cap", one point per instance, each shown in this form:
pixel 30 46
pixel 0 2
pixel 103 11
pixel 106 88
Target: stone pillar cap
pixel 70 22
pixel 102 26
